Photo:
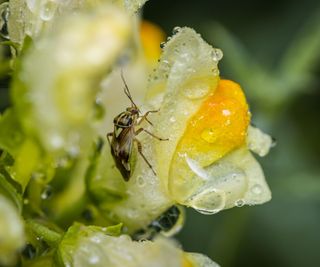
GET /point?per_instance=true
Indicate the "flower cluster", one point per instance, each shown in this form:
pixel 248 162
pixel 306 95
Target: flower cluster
pixel 55 162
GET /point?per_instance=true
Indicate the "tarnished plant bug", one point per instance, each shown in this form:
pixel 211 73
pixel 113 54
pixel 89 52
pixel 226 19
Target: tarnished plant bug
pixel 123 137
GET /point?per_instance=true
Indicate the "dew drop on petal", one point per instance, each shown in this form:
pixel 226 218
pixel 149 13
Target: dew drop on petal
pixel 94 259
pixel 172 119
pixel 209 135
pixel 176 30
pixel 239 203
pixel 209 201
pixel 47 10
pixel 196 90
pixel 141 181
pixel 216 54
pixel 256 189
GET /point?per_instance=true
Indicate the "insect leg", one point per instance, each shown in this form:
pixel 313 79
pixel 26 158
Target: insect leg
pixel 145 116
pixel 108 137
pixel 157 137
pixel 145 159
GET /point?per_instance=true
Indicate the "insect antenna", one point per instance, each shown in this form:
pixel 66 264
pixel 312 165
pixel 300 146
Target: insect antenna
pixel 127 92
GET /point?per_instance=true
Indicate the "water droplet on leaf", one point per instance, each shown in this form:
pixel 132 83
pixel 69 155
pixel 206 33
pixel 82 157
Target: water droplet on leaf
pixel 47 192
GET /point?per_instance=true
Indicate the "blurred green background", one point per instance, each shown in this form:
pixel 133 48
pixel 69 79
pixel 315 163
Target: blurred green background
pixel 272 48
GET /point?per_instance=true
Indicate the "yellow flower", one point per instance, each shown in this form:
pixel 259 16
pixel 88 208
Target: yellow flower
pixel 83 246
pixel 151 37
pixel 218 127
pixel 206 164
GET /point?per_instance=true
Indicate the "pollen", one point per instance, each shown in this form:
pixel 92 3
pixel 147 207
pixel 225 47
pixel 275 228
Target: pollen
pixel 219 126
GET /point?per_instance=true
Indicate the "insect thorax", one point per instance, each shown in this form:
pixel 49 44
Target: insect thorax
pixel 125 119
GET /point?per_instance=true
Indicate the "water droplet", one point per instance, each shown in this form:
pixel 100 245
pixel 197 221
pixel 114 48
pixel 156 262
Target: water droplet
pixel 141 181
pixel 95 239
pixel 94 259
pixel 47 10
pixel 172 119
pixel 64 162
pixel 4 17
pixel 124 238
pixel 216 54
pixel 256 189
pixel 226 112
pixel 239 203
pixel 162 45
pixel 209 135
pixel 176 30
pixel 209 201
pixel 169 38
pixel 196 89
pixel 46 192
pixel 215 72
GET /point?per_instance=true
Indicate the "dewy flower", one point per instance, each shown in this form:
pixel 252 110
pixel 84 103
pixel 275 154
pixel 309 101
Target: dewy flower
pixel 206 164
pixel 94 246
pixel 33 17
pixel 66 73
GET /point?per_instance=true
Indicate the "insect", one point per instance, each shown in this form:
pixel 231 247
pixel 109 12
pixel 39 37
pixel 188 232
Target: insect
pixel 123 137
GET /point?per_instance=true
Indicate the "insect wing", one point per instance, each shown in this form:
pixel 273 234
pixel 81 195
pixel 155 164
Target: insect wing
pixel 121 151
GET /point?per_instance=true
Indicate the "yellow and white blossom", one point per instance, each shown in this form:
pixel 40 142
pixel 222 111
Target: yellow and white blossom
pixel 206 164
pixel 84 246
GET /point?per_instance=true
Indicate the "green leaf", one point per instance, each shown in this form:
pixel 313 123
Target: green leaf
pixel 43 231
pixel 8 189
pixel 11 136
